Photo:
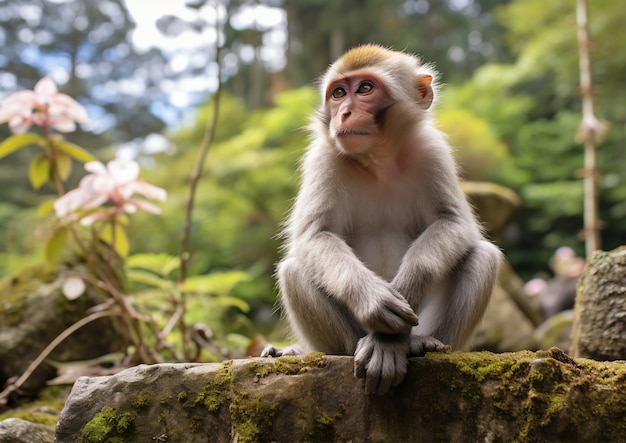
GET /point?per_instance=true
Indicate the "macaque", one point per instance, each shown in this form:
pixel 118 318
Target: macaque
pixel 381 233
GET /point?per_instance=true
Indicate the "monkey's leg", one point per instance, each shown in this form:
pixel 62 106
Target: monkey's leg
pixel 316 319
pixel 452 309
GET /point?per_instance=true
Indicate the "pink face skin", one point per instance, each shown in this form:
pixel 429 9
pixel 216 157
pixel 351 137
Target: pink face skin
pixel 357 104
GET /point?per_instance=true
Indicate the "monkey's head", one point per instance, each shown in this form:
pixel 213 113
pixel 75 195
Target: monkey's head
pixel 373 95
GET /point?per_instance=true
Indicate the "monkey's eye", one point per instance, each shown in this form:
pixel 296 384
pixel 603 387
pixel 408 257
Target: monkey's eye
pixel 365 88
pixel 338 92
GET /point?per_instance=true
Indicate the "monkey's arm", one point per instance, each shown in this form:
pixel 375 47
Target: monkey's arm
pixel 441 246
pixel 335 268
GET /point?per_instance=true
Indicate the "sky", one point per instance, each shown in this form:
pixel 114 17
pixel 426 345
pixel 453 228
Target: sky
pixel 189 47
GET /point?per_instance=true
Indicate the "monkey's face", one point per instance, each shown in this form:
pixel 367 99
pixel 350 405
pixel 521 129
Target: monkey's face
pixel 357 104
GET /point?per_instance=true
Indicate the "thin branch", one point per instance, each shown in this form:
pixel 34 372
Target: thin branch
pixel 590 131
pixel 12 387
pixel 209 135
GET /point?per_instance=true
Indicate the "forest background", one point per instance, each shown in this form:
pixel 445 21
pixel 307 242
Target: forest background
pixel 510 103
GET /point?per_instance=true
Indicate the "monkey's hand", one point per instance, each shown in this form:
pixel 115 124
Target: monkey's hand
pixel 387 312
pixel 273 351
pixel 421 344
pixel 381 359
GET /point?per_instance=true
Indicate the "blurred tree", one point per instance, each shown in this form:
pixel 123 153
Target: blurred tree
pixel 543 95
pixel 458 36
pixel 84 46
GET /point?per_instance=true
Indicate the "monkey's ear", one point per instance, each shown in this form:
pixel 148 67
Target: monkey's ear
pixel 425 91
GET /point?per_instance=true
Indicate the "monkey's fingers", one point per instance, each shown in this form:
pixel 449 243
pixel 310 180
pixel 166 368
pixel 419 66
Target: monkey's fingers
pixel 362 356
pixel 421 344
pixel 382 361
pixel 273 351
pixel 396 317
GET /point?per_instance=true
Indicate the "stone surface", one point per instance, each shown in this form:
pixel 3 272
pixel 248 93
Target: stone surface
pixel 495 205
pixel 14 430
pixel 599 329
pixel 556 331
pixel 33 311
pixel 523 396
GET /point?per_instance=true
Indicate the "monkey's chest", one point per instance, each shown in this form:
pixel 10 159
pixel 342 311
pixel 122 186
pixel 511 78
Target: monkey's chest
pixel 381 250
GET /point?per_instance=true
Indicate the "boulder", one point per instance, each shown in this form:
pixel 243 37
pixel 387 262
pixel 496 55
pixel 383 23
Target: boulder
pixel 34 311
pixel 449 396
pixel 495 205
pixel 14 430
pixel 599 329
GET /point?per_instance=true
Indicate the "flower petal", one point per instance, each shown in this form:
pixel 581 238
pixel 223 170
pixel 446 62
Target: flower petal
pixel 93 217
pixel 19 103
pixel 44 90
pixel 62 124
pixel 19 124
pixel 150 191
pixel 144 205
pixel 65 105
pixel 96 168
pixel 123 171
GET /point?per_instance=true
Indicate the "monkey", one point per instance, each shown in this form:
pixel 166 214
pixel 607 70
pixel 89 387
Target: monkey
pixel 384 258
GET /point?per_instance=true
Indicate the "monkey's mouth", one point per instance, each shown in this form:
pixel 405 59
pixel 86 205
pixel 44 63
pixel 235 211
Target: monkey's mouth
pixel 345 132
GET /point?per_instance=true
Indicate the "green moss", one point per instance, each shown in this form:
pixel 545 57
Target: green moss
pixel 216 392
pixel 288 365
pixel 249 414
pixel 498 366
pixel 14 292
pixel 43 411
pixel 324 429
pixel 140 400
pixel 196 424
pixel 108 426
pixel 535 377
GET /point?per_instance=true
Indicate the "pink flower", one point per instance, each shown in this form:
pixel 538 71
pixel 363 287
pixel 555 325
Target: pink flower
pixel 116 183
pixel 44 106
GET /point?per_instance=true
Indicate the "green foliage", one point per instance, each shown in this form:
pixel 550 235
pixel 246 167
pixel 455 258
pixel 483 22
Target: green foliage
pixel 478 149
pixel 55 244
pixel 114 235
pixel 73 150
pixel 249 181
pixel 39 171
pixel 17 142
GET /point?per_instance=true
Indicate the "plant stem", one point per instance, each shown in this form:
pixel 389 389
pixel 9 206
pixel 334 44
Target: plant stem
pixel 589 131
pixel 209 135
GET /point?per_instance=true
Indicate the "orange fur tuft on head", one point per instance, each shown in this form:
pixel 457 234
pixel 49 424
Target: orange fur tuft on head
pixel 362 57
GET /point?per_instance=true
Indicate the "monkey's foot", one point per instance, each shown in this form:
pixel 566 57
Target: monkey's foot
pixel 381 359
pixel 273 351
pixel 421 344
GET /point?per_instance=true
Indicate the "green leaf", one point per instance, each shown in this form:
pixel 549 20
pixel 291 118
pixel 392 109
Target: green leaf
pixel 232 301
pixel 161 264
pixel 39 171
pixel 219 283
pixel 115 235
pixel 64 165
pixel 55 244
pixel 45 208
pixel 148 278
pixel 74 151
pixel 16 142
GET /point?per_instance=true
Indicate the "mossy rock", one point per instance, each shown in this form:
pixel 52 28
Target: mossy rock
pixel 454 396
pixel 34 311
